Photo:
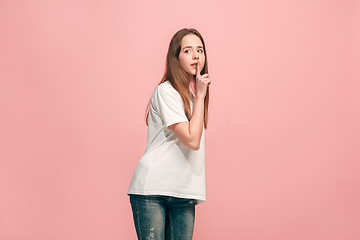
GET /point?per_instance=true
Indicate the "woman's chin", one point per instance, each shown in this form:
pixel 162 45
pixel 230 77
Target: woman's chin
pixel 192 73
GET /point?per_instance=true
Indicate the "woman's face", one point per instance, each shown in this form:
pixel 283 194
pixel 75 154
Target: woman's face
pixel 192 51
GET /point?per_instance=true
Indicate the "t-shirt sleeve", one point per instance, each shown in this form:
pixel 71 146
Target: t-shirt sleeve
pixel 170 105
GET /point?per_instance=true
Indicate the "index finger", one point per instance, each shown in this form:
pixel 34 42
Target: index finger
pixel 198 69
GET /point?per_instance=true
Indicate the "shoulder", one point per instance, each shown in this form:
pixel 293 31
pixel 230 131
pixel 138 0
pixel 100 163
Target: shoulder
pixel 166 86
pixel 166 89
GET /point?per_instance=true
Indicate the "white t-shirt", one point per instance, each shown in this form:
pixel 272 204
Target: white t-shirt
pixel 168 167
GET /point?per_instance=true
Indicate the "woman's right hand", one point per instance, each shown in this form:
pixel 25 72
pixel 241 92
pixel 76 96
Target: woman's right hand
pixel 202 82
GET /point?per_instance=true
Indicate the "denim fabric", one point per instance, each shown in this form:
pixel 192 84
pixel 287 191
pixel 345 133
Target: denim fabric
pixel 159 217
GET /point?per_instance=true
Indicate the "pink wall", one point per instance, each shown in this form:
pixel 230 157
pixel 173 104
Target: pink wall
pixel 283 138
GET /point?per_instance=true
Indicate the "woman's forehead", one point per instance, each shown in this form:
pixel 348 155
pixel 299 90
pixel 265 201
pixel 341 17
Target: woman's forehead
pixel 191 40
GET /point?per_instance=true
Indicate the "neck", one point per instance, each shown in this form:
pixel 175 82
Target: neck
pixel 192 87
pixel 192 79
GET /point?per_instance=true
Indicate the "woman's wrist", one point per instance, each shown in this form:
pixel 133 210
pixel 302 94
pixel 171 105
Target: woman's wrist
pixel 201 97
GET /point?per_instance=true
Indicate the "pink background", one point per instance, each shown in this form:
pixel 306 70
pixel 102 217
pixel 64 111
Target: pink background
pixel 284 120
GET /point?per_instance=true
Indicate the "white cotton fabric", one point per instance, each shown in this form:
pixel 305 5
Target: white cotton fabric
pixel 168 167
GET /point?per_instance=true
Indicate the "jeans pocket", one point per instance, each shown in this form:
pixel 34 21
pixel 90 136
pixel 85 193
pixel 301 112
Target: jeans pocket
pixel 193 202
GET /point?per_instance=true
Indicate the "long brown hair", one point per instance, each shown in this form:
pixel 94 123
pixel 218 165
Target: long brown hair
pixel 178 77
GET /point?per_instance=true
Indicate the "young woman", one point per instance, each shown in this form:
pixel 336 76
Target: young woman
pixel 169 179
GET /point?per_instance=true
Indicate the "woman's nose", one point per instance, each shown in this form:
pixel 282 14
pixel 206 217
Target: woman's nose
pixel 196 56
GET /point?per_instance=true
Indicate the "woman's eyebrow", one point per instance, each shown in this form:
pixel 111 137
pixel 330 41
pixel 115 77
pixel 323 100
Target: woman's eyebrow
pixel 191 46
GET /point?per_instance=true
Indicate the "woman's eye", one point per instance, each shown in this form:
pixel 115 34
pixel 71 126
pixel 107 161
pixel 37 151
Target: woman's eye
pixel 200 50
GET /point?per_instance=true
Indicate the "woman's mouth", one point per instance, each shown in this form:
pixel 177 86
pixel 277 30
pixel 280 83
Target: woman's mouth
pixel 194 65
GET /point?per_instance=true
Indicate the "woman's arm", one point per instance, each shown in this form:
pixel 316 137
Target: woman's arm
pixel 189 133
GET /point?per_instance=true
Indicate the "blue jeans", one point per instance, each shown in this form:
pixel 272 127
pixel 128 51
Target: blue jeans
pixel 159 217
